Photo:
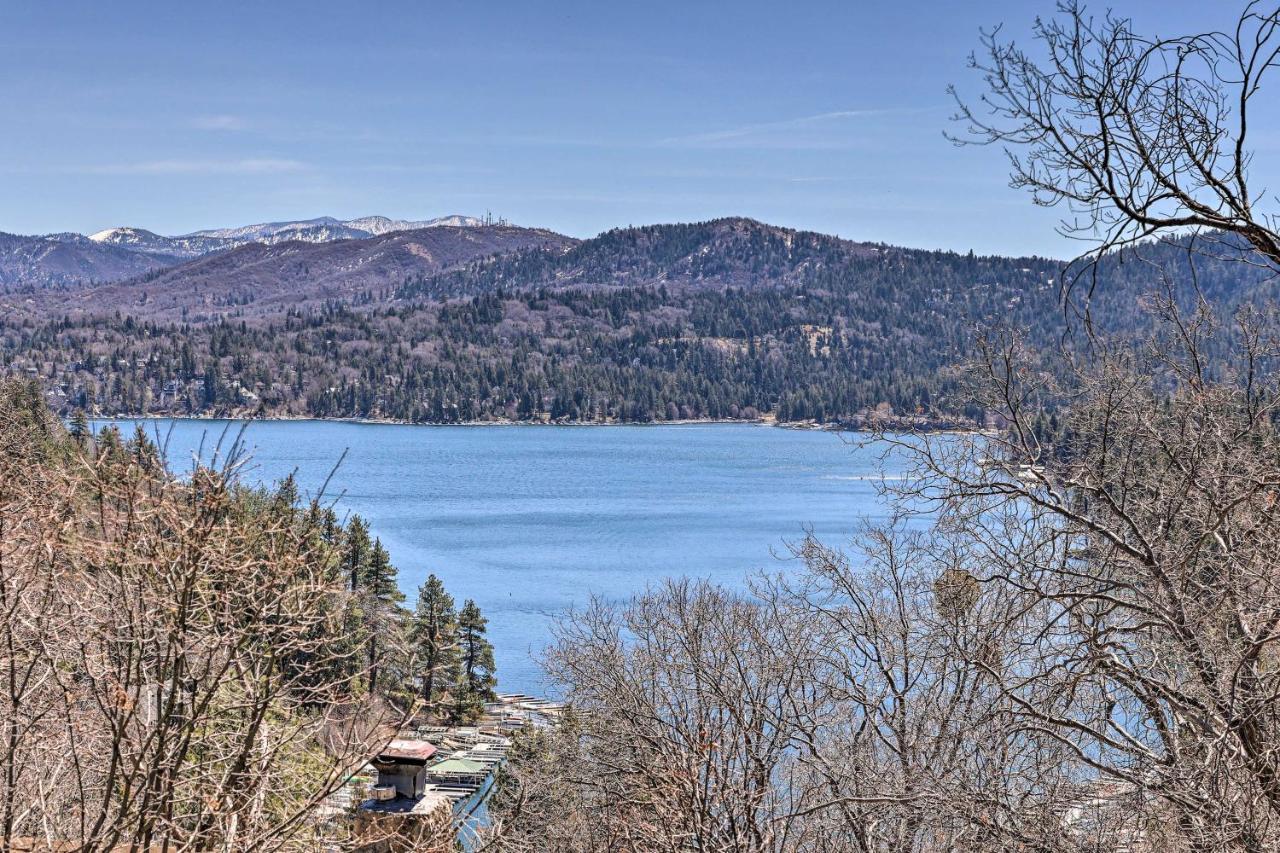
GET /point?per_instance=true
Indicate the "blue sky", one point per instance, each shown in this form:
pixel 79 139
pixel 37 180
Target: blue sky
pixel 577 116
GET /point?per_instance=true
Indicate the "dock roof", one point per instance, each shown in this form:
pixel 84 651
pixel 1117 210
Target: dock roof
pixel 459 766
pixel 407 751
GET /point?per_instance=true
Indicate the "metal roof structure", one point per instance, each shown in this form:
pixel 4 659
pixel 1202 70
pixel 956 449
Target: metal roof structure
pixel 405 751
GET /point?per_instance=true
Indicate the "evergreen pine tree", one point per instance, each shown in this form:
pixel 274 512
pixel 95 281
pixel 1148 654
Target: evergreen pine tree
pixel 435 639
pixel 143 449
pixel 330 530
pixel 383 597
pixel 79 428
pixel 110 444
pixel 379 577
pixel 476 667
pixel 355 556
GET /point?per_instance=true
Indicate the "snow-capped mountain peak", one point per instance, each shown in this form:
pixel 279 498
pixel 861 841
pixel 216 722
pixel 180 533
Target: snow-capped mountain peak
pixel 376 225
pixel 150 243
pixel 322 229
pixel 263 230
pixel 325 229
pixel 124 235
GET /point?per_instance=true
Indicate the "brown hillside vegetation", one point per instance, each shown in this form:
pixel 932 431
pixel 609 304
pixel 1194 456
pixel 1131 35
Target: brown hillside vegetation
pixel 271 279
pixel 174 672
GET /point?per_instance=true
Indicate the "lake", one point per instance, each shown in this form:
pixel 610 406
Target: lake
pixel 528 520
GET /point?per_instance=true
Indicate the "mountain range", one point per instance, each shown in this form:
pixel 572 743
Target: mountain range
pixel 269 278
pixel 69 260
pixel 730 318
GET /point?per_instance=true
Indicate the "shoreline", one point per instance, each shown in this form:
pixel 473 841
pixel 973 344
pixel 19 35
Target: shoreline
pixel 800 426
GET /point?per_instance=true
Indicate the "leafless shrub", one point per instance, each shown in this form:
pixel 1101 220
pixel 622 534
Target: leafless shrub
pixel 837 709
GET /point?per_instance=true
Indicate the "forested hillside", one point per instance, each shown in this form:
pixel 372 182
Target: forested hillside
pixel 727 319
pixel 174 626
pixel 722 252
pixel 260 279
pixel 34 264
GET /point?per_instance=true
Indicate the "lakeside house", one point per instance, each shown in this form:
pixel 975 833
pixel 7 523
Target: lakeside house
pixel 402 814
pixel 433 783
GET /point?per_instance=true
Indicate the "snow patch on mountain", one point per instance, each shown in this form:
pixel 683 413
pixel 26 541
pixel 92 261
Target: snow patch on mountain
pixel 325 229
pixel 150 243
pixel 322 229
pixel 375 225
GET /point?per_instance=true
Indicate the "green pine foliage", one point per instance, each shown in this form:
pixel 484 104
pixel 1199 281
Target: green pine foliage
pixel 79 427
pixel 476 681
pixel 434 639
pixel 373 578
pixel 721 320
pixel 378 578
pixel 355 554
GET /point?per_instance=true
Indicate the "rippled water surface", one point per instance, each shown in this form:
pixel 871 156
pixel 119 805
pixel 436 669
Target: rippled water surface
pixel 529 520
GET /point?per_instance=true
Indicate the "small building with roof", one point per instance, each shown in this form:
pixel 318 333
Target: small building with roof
pixel 402 765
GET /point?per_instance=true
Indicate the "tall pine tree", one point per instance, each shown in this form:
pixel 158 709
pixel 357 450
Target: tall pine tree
pixel 355 555
pixel 79 429
pixel 476 667
pixel 435 641
pixel 372 577
pixel 379 577
pixel 383 597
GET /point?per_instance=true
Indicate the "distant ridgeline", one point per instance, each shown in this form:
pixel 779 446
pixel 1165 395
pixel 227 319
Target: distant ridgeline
pixel 717 320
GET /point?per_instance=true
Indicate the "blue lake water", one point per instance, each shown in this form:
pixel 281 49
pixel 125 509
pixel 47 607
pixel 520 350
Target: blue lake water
pixel 530 520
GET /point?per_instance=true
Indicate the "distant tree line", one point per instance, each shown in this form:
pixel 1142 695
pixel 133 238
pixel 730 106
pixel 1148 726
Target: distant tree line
pixel 822 334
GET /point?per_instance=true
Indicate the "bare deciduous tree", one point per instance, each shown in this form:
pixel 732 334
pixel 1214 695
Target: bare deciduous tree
pixel 1067 640
pixel 1146 546
pixel 172 673
pixel 1135 136
pixel 852 706
pixel 682 700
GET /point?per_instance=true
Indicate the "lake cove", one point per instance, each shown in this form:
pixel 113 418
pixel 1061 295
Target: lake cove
pixel 530 520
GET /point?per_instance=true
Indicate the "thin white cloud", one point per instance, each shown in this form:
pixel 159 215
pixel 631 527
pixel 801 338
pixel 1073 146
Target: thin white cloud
pixel 219 122
pixel 822 130
pixel 262 166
